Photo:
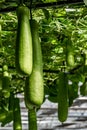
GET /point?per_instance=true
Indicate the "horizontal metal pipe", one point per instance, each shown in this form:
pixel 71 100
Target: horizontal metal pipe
pixel 45 5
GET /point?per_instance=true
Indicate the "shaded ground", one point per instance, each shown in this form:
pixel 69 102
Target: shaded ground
pixel 47 116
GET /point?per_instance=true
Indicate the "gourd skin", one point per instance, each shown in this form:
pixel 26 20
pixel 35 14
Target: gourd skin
pixel 23 42
pixel 5 82
pixel 69 52
pixel 32 119
pixel 17 125
pixel 34 90
pixel 62 97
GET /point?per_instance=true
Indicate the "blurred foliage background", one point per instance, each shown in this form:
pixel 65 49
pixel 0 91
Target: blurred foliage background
pixel 55 24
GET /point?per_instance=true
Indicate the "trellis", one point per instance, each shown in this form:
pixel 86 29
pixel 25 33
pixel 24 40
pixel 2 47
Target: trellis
pixel 37 5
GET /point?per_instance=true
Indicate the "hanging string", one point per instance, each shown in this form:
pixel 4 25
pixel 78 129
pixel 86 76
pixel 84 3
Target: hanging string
pixel 21 2
pixel 30 9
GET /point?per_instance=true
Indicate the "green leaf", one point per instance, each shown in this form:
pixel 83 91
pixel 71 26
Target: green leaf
pixel 53 99
pixel 8 119
pixel 83 89
pixel 72 93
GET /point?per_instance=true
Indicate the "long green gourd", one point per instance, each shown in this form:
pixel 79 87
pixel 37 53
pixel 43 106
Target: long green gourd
pixel 17 124
pixel 34 90
pixel 70 60
pixel 23 42
pixel 62 97
pixel 32 119
pixel 5 82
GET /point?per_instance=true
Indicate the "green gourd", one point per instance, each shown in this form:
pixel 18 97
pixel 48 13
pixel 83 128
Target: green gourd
pixel 34 90
pixel 17 125
pixel 70 60
pixel 5 82
pixel 62 97
pixel 23 42
pixel 32 119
